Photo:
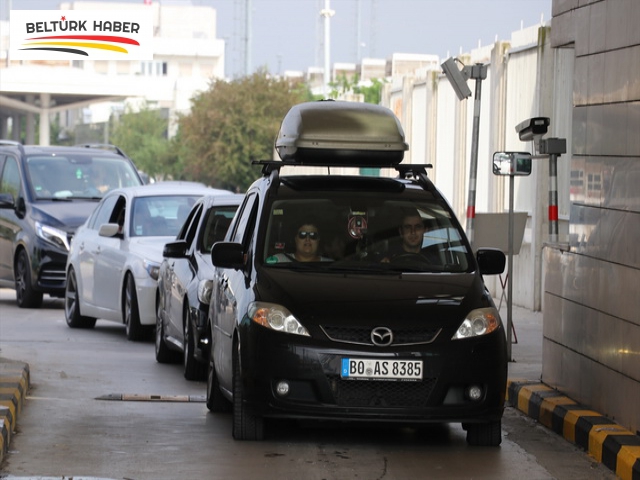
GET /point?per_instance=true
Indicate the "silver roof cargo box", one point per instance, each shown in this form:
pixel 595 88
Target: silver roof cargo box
pixel 339 133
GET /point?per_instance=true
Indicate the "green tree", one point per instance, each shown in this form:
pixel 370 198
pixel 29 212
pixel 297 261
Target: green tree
pixel 372 93
pixel 231 124
pixel 142 134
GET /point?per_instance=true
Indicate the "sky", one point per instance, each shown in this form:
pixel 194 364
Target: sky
pixel 287 34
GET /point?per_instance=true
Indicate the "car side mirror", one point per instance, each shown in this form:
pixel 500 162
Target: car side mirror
pixel 177 249
pixel 227 255
pixel 7 200
pixel 491 261
pixel 109 230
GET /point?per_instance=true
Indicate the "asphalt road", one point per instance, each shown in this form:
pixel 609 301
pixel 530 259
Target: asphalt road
pixel 101 407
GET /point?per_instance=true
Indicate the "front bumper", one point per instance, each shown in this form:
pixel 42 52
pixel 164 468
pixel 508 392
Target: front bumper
pixel 48 269
pixel 146 289
pixel 317 391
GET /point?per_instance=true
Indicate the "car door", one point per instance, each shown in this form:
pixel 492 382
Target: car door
pixel 9 221
pixel 84 247
pixel 180 273
pixel 233 291
pixel 109 255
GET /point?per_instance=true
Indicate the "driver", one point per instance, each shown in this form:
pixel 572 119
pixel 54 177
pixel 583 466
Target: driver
pixel 411 232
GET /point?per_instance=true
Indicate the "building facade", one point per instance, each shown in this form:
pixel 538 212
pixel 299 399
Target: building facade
pixel 187 55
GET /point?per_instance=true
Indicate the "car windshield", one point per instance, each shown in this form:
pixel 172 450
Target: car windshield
pixel 364 232
pixel 62 177
pixel 160 216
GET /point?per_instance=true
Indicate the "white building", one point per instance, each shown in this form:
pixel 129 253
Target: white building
pixel 187 55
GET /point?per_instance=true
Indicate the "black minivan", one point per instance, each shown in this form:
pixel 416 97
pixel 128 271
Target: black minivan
pixel 341 296
pixel 46 193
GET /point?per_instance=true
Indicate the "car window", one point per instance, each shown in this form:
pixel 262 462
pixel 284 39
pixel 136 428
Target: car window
pixel 160 215
pixel 246 211
pixel 193 225
pixel 366 228
pixel 78 176
pixel 10 181
pixel 104 213
pixel 216 224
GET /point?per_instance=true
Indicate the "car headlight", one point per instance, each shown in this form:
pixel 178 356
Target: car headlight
pixel 204 291
pixel 52 235
pixel 276 317
pixel 152 268
pixel 481 321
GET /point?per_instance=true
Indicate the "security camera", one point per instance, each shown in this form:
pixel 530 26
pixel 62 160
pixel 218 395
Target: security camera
pixel 532 128
pixel 457 79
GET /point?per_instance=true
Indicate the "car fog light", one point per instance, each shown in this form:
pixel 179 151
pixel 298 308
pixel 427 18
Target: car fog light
pixel 282 388
pixel 474 393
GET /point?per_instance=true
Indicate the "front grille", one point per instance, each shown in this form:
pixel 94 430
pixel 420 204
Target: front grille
pixel 53 276
pixel 377 393
pixel 362 335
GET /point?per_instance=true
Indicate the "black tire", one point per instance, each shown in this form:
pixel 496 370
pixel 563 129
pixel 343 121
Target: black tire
pixel 26 296
pixel 193 369
pixel 216 401
pixel 72 305
pixel 163 353
pixel 130 312
pixel 246 426
pixel 484 434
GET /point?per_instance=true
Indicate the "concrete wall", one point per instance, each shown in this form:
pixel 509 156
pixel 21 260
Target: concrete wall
pixel 525 78
pixel 583 72
pixel 591 345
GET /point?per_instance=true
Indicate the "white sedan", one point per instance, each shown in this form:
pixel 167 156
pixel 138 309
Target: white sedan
pixel 112 267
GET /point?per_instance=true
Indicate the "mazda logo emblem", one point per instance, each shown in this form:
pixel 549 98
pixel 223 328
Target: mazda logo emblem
pixel 382 336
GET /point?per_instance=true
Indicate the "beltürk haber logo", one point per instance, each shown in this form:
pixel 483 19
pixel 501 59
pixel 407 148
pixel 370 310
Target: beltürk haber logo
pixel 81 34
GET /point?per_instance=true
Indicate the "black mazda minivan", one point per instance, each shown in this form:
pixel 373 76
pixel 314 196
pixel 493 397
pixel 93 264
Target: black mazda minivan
pixel 46 193
pixel 341 296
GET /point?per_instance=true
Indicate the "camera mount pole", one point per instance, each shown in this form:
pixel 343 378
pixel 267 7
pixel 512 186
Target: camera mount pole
pixel 553 147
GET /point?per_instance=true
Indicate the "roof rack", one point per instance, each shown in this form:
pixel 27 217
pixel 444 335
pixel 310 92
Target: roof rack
pixel 13 143
pixel 409 170
pixel 405 171
pixel 103 146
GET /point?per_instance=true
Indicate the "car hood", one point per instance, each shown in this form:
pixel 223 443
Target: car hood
pixel 68 215
pixel 149 247
pixel 366 298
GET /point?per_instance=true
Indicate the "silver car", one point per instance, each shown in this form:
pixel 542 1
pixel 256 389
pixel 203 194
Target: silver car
pixel 115 256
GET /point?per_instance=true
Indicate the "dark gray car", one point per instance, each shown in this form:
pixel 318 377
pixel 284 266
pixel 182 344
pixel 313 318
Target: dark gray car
pixel 46 193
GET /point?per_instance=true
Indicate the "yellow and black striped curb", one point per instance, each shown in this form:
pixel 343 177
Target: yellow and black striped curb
pixel 14 384
pixel 610 444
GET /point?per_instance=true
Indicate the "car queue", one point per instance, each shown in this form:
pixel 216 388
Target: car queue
pixel 303 298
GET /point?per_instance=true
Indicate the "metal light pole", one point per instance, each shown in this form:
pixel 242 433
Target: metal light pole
pixel 247 39
pixel 327 13
pixel 458 80
pixel 478 72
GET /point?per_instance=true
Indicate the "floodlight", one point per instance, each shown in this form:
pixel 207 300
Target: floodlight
pixel 457 78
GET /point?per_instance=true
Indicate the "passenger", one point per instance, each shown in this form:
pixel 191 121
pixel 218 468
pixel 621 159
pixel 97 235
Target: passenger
pixel 411 230
pixel 307 241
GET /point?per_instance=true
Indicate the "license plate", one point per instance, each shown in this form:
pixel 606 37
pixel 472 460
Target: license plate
pixel 379 369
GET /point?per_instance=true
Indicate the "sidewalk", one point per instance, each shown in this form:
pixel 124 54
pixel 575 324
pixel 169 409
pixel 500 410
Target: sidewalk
pixel 606 442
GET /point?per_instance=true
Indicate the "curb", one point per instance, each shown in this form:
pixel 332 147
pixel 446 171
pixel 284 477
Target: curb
pixel 14 384
pixel 610 444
